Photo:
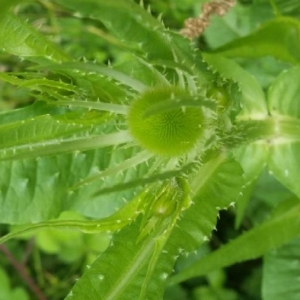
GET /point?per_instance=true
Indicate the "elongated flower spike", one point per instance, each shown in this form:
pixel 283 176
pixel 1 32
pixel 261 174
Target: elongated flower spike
pixel 194 27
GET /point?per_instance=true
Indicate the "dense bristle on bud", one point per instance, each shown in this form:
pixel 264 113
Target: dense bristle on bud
pixel 171 131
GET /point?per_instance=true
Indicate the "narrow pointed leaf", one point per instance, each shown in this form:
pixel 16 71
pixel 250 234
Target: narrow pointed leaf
pixel 118 273
pixel 18 38
pixel 281 273
pixel 265 237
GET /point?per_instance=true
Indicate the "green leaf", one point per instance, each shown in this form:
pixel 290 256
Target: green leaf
pixel 280 147
pixel 214 190
pixel 7 4
pixel 139 21
pixel 242 202
pixel 238 22
pixel 281 273
pixel 284 106
pixel 18 38
pixel 34 83
pixel 253 158
pixel 284 94
pixel 28 112
pixel 143 71
pixel 118 273
pixel 278 38
pixel 265 69
pixel 9 293
pixel 4 283
pixel 92 85
pixel 133 23
pixel 27 185
pixel 291 7
pixel 115 222
pixel 51 135
pixel 265 237
pixel 212 293
pixel 35 130
pixel 92 68
pixel 284 164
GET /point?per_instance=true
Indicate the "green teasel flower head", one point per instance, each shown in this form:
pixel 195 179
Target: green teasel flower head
pixel 168 121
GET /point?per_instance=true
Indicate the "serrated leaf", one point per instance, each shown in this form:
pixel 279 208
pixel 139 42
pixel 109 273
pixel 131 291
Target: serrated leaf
pixel 126 279
pixel 281 273
pixel 137 30
pixel 18 38
pixel 124 270
pixel 143 71
pixel 142 32
pixel 28 112
pixel 37 129
pixel 50 135
pixel 92 68
pixel 69 95
pixel 214 190
pixel 265 237
pixel 118 273
pixel 38 83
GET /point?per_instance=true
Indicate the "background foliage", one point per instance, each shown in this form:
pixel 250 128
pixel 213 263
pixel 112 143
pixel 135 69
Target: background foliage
pixel 80 202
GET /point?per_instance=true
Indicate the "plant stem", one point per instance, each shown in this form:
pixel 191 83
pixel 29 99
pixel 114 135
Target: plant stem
pixel 20 268
pixel 28 251
pixel 273 129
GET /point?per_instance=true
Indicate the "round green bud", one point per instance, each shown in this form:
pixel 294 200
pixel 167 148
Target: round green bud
pixel 172 195
pixel 221 96
pixel 164 205
pixel 160 125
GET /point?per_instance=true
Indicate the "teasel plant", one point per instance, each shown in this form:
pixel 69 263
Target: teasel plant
pixel 147 151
